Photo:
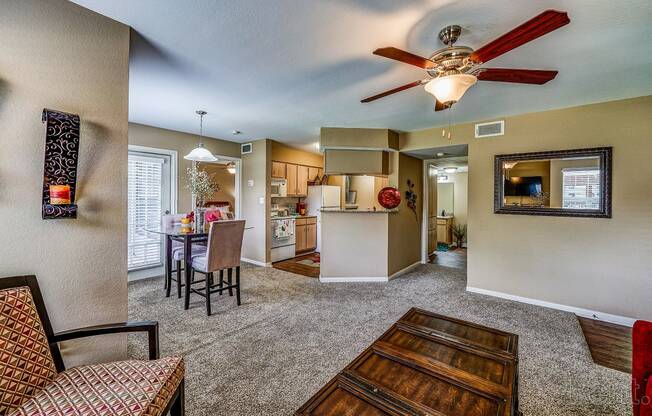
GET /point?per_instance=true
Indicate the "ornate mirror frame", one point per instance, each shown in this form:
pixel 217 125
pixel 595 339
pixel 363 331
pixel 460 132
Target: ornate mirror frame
pixel 605 157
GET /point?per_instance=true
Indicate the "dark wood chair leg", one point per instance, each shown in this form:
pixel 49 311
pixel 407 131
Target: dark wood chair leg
pixel 237 284
pixel 230 274
pixel 168 281
pixel 221 280
pixel 209 277
pixel 178 279
pixel 179 405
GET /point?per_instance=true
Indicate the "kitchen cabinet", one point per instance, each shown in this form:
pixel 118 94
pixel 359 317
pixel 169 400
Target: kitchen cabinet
pixel 312 173
pixel 291 176
pixel 445 230
pixel 278 170
pixel 305 232
pixel 296 176
pixel 302 180
pixel 311 236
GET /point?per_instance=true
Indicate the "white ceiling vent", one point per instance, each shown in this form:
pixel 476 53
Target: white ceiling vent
pixel 246 148
pixel 493 128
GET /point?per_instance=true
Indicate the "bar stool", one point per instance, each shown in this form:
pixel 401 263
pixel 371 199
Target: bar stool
pixel 224 249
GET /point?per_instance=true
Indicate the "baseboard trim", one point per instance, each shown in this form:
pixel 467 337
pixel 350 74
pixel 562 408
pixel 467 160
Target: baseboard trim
pixel 406 269
pixel 255 262
pixel 357 279
pixel 585 313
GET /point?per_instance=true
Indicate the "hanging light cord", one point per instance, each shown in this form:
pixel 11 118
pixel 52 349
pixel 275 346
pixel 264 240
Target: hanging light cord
pixel 201 128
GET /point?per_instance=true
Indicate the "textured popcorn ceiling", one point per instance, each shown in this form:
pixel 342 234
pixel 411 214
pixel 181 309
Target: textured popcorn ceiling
pixel 284 68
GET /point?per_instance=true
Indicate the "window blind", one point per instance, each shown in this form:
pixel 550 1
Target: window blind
pixel 581 188
pixel 145 192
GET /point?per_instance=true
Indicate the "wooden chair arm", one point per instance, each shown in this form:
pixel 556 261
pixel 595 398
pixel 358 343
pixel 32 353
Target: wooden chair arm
pixel 151 327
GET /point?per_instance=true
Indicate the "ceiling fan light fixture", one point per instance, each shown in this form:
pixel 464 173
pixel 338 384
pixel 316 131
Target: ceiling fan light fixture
pixel 449 89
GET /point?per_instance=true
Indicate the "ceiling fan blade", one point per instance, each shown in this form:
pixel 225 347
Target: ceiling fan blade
pixel 521 76
pixel 406 57
pixel 394 90
pixel 538 26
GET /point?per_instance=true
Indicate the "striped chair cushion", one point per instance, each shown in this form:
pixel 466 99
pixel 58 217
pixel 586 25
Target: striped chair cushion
pixel 122 388
pixel 26 364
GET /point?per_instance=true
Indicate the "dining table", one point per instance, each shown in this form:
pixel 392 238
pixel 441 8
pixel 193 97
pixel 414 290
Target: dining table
pixel 187 235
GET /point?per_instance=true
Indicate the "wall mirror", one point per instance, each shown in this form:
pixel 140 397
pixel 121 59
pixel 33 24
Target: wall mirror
pixel 572 183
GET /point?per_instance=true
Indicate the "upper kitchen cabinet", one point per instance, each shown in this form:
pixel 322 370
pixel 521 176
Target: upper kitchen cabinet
pixel 313 173
pixel 302 180
pixel 278 170
pixel 291 176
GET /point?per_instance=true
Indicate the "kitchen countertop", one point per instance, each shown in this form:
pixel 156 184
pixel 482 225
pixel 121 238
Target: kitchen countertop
pixel 359 211
pixel 287 217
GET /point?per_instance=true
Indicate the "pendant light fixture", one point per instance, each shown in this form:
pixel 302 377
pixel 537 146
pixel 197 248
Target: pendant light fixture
pixel 200 153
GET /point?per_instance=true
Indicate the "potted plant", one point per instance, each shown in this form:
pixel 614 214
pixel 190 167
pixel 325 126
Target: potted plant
pixel 202 188
pixel 459 232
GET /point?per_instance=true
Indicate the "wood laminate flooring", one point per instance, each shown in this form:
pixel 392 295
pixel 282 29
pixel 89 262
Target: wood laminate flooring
pixel 610 344
pixel 293 266
pixel 455 258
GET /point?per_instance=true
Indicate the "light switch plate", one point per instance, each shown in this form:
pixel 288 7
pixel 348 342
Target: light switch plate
pixel 261 200
pixel 250 183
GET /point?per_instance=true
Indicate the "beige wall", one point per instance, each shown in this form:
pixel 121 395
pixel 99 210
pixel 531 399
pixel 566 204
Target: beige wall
pixel 58 55
pixel 224 179
pixel 405 225
pixel 367 188
pixel 285 153
pixel 597 264
pixel 256 168
pixel 460 181
pixel 183 143
pixel 354 244
pixel 345 137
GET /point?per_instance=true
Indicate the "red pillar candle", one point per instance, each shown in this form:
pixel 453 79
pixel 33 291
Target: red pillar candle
pixel 60 194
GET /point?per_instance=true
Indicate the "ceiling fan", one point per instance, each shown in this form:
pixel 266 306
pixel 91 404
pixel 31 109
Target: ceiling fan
pixel 454 69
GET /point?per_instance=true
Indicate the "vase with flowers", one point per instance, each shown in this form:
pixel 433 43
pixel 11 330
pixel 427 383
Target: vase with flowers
pixel 202 188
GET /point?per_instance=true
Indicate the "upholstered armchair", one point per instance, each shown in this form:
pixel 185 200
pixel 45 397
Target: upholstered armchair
pixel 34 381
pixel 642 368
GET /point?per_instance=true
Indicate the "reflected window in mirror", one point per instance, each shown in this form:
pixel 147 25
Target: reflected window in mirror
pixel 565 183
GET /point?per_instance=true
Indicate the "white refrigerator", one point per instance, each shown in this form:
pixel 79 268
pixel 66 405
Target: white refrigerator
pixel 322 196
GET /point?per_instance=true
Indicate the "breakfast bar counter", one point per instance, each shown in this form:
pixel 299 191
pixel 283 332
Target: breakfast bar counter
pixel 354 245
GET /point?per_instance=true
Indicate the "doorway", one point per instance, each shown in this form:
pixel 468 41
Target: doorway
pixel 151 193
pixel 225 173
pixel 445 230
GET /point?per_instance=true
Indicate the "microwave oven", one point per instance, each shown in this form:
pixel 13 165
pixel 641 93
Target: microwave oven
pixel 279 188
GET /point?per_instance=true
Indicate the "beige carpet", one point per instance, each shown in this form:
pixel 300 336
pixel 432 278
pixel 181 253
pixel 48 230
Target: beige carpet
pixel 292 335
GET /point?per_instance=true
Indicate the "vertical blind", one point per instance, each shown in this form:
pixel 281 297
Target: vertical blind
pixel 581 188
pixel 145 191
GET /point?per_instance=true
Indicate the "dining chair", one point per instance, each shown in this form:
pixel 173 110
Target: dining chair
pixel 223 253
pixel 177 256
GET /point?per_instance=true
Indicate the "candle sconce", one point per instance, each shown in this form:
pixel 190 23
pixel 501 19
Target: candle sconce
pixel 60 168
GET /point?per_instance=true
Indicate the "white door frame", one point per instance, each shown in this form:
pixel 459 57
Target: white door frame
pixel 174 169
pixel 174 183
pixel 238 184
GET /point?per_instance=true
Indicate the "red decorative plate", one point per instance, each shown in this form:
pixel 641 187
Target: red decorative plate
pixel 389 197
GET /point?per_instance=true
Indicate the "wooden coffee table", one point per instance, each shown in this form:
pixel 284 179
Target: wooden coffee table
pixel 427 364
